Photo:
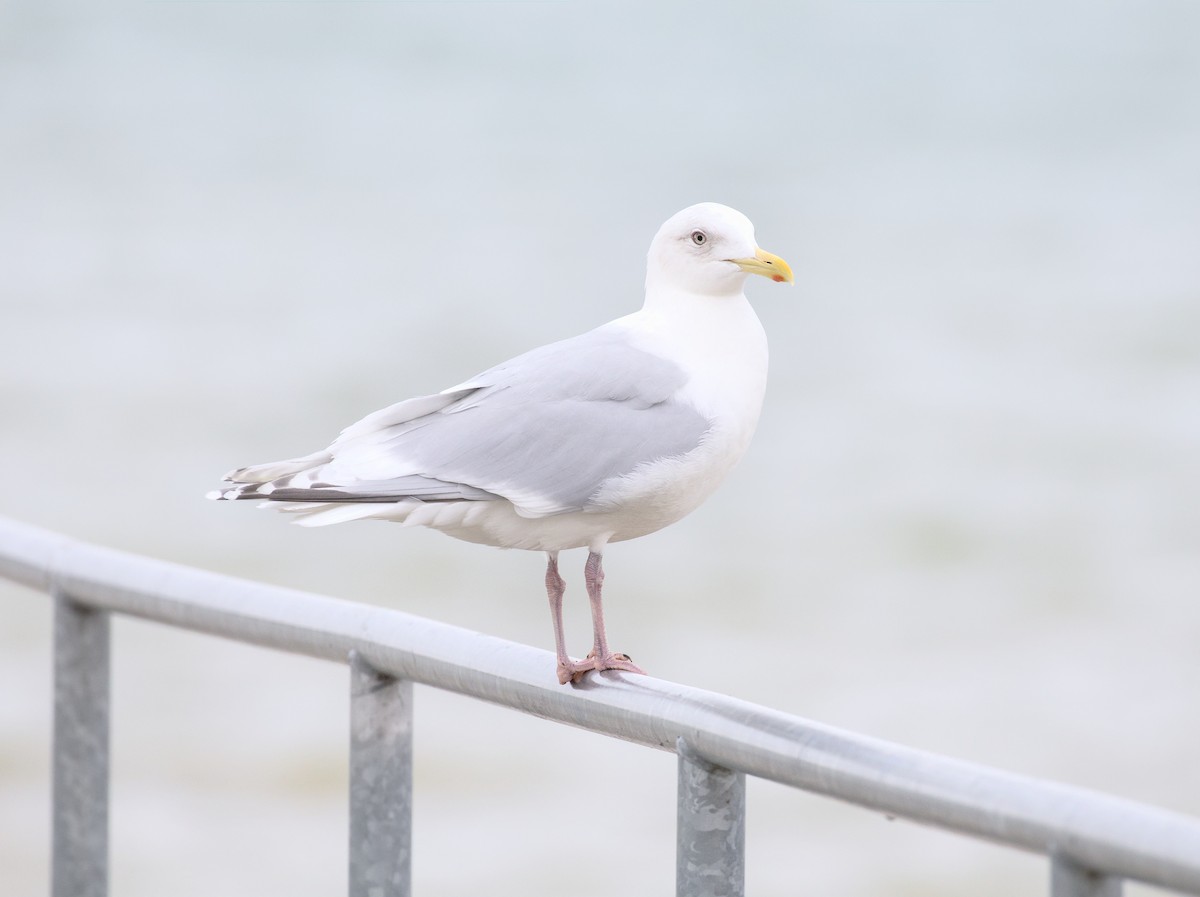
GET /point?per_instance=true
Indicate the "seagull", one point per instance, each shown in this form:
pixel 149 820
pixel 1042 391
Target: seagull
pixel 607 436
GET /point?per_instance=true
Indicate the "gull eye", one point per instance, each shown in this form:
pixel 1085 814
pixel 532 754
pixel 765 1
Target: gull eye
pixel 699 237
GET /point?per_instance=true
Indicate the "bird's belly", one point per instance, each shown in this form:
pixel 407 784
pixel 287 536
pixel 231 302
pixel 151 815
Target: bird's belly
pixel 662 493
pixel 637 504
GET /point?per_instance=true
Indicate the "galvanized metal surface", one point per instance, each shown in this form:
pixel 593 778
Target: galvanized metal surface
pixel 710 856
pixel 1069 879
pixel 79 862
pixel 1109 835
pixel 381 757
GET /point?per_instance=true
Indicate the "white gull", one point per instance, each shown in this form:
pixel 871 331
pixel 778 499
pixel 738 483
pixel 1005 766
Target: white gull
pixel 607 436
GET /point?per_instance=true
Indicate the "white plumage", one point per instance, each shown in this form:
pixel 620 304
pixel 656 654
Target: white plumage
pixel 607 436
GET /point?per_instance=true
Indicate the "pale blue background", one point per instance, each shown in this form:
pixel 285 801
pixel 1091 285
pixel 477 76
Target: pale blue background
pixel 969 521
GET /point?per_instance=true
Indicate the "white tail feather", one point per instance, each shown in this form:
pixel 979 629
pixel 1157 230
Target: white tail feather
pixel 273 470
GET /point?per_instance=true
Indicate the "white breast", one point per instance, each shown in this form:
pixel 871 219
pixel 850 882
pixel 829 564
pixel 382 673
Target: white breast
pixel 720 344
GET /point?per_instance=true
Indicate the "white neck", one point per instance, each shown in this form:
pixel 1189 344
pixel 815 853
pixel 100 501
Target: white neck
pixel 718 340
pixel 661 279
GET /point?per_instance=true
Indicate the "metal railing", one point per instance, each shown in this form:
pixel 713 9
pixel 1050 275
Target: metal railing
pixel 1093 841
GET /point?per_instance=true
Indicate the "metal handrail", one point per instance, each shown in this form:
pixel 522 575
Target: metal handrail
pixel 1093 839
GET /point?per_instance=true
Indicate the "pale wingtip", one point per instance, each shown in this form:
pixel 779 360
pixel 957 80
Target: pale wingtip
pixel 229 494
pixel 224 494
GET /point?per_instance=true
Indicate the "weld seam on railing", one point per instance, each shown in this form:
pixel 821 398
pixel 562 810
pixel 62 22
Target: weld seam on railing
pixel 1069 879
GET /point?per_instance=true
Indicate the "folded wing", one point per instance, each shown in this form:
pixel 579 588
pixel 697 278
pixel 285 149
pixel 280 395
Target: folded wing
pixel 544 431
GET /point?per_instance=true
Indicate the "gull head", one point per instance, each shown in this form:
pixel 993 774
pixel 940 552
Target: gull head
pixel 709 249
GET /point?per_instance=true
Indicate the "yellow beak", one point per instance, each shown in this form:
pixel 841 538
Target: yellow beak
pixel 767 265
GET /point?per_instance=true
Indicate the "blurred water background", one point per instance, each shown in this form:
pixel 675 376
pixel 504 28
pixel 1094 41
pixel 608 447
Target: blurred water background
pixel 969 520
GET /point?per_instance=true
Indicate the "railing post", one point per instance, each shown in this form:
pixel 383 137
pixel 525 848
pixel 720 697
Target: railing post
pixel 80 761
pixel 381 729
pixel 1069 879
pixel 710 858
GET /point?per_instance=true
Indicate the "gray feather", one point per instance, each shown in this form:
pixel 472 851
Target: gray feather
pixel 556 424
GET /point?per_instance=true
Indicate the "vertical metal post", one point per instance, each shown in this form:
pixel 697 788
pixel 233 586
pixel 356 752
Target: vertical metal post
pixel 1069 879
pixel 381 731
pixel 710 858
pixel 80 762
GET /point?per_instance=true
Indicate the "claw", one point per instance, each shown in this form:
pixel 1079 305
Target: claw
pixel 618 662
pixel 575 669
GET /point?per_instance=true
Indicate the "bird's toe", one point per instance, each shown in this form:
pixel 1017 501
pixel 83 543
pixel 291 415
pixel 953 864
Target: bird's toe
pixel 572 671
pixel 616 661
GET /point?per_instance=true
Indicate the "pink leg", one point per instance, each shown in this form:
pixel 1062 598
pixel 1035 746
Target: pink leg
pixel 555 587
pixel 555 590
pixel 601 657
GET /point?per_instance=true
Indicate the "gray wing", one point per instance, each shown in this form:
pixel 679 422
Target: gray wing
pixel 545 430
